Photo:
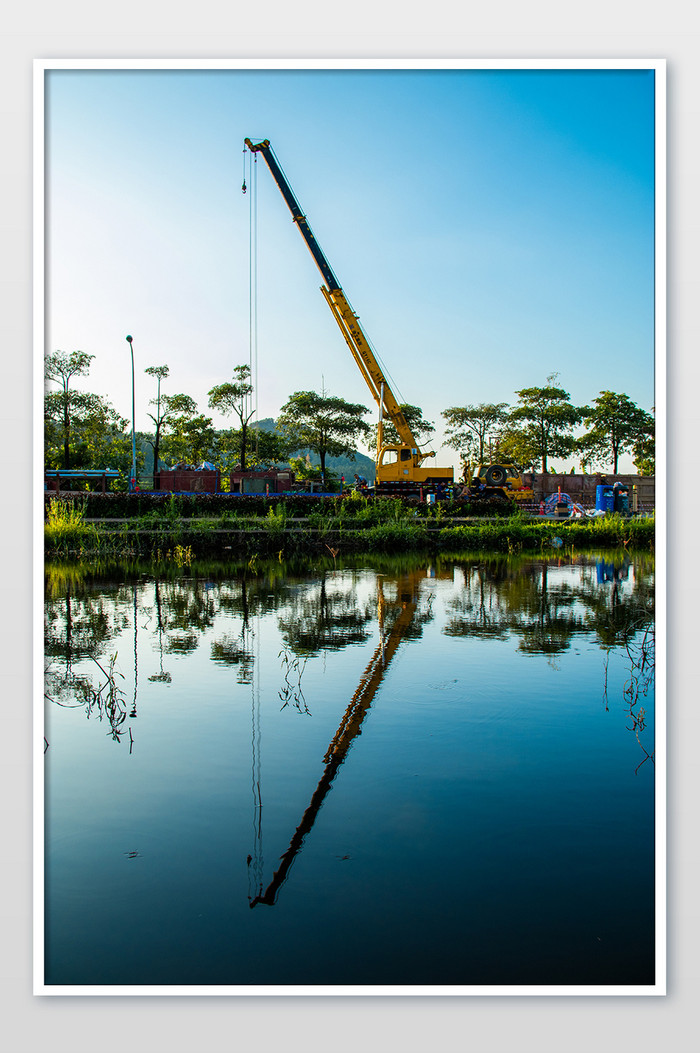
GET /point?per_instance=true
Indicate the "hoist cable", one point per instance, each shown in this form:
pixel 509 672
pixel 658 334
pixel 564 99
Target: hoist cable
pixel 256 862
pixel 251 402
pixel 251 245
pixel 254 379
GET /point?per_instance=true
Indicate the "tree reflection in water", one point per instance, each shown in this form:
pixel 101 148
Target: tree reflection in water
pixel 546 603
pixel 100 697
pixel 466 755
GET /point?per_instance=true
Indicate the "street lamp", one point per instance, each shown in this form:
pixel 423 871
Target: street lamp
pixel 132 480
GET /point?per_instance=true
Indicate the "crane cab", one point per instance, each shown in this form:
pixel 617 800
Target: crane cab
pixel 399 466
pixel 396 462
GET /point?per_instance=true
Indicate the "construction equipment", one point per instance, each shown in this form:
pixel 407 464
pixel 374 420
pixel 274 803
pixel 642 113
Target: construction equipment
pixel 398 466
pixel 500 480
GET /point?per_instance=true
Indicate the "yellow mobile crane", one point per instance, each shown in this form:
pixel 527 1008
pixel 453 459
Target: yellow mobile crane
pixel 398 466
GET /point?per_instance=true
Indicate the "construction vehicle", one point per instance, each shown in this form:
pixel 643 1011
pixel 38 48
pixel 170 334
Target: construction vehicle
pixel 500 480
pixel 399 467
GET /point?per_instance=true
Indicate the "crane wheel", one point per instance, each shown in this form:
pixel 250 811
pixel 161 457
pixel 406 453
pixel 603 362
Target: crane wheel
pixel 496 475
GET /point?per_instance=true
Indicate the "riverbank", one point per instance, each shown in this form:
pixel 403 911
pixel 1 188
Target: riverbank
pixel 348 526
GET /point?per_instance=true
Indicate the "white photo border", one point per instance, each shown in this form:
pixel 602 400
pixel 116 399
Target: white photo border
pixel 44 66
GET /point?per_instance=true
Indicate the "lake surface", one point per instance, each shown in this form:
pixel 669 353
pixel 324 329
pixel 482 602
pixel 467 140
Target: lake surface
pixel 390 773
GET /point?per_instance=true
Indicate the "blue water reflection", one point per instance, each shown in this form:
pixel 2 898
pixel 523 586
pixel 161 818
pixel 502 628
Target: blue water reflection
pixel 390 773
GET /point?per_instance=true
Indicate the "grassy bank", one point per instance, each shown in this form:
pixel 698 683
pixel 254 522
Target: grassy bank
pixel 283 530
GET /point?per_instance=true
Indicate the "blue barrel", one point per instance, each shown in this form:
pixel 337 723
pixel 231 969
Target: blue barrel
pixel 604 498
pixel 621 498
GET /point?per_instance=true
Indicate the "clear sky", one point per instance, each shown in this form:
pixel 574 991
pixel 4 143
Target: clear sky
pixel 490 227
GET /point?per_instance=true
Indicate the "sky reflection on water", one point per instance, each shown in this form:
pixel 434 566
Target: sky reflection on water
pixel 384 774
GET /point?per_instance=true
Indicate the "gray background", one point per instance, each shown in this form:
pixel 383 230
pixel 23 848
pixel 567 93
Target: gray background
pixel 214 29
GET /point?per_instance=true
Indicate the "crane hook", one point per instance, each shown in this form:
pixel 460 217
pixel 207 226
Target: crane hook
pixel 243 188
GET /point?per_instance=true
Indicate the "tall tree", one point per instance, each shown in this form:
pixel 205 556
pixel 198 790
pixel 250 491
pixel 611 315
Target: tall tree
pixel 61 368
pixel 234 397
pixel 470 427
pixel 190 436
pixel 160 417
pixel 616 426
pixel 97 437
pixel 546 418
pixel 323 423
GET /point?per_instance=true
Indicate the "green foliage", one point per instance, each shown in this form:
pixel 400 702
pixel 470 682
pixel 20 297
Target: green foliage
pixel 177 416
pixel 191 439
pixel 65 528
pixel 544 418
pixel 304 470
pixel 323 423
pixel 276 519
pixel 235 397
pixel 396 536
pixel 617 426
pixel 160 418
pixel 95 436
pixel 81 429
pixel 644 453
pixel 470 427
pixel 260 526
pixel 179 405
pixel 519 446
pixel 268 449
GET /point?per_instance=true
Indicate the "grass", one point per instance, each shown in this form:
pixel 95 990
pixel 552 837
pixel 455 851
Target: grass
pixel 353 525
pixel 65 528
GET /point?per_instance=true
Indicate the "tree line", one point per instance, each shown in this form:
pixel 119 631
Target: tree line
pixel 82 430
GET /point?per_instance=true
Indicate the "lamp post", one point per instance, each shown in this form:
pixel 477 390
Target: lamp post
pixel 132 480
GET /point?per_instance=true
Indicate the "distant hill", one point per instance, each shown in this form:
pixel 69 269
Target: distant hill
pixel 344 466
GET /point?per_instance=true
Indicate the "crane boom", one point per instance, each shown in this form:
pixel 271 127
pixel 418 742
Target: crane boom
pixel 394 463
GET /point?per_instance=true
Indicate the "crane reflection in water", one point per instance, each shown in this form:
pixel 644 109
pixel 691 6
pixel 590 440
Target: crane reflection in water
pixel 390 637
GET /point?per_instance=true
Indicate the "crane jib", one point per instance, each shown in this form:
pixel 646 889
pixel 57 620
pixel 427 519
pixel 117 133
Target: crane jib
pixel 297 215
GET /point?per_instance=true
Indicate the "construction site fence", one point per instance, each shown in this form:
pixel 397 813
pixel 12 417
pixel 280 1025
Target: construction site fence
pixel 582 488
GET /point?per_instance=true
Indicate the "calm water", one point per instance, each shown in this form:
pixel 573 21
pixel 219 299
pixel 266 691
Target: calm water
pixel 389 774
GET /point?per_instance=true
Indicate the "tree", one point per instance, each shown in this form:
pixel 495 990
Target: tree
pixel 519 446
pixel 415 420
pixel 616 426
pixel 96 434
pixel 61 368
pixel 548 420
pixel 323 423
pixel 644 448
pixel 161 415
pixel 191 437
pixel 469 427
pixel 233 397
pixel 269 447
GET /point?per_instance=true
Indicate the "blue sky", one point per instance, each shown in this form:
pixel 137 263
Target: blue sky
pixel 490 227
